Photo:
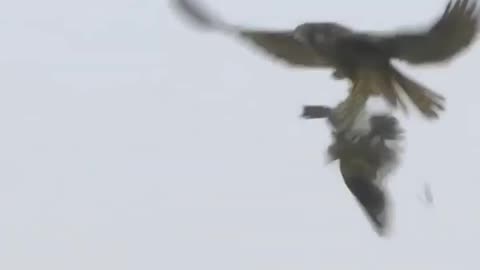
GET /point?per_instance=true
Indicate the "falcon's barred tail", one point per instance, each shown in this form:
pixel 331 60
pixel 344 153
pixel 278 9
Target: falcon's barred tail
pixel 372 199
pixel 427 101
pixel 387 82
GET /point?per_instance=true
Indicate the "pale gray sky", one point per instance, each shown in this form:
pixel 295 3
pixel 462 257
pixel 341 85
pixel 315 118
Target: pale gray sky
pixel 129 140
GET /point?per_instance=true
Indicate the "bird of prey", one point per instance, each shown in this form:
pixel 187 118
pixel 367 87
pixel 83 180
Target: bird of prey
pixel 365 159
pixel 364 58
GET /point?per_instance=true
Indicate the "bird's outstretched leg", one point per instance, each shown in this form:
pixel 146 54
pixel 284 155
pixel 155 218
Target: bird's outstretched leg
pixel 316 112
pixel 324 112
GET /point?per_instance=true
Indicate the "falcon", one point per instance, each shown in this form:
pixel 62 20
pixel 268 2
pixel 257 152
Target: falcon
pixel 364 58
pixel 365 159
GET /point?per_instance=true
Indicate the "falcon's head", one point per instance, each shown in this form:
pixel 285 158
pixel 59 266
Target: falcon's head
pixel 319 33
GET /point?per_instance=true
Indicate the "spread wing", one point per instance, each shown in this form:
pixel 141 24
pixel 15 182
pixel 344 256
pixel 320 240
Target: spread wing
pixel 371 197
pixel 278 44
pixel 452 33
pixel 283 46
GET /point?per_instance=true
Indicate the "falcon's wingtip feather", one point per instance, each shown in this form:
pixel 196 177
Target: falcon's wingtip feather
pixel 199 15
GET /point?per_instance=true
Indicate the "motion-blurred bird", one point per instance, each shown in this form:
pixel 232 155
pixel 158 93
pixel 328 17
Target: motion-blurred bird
pixel 362 57
pixel 365 159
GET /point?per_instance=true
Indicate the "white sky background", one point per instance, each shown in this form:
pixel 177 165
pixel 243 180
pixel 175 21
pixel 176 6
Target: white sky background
pixel 129 140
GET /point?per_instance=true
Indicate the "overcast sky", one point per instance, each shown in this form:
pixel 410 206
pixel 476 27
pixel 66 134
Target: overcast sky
pixel 129 140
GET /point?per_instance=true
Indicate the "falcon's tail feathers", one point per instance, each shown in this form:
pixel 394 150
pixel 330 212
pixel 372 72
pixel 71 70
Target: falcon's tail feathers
pixel 426 101
pixel 387 83
pixel 200 16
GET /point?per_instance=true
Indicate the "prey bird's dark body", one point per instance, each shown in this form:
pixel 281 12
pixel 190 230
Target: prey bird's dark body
pixel 365 159
pixel 361 57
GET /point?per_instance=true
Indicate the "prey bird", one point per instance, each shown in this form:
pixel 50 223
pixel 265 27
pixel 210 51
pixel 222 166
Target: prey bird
pixel 365 159
pixel 364 58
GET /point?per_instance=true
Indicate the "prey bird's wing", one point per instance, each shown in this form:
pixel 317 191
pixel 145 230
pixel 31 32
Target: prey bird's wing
pixel 360 180
pixel 451 34
pixel 278 44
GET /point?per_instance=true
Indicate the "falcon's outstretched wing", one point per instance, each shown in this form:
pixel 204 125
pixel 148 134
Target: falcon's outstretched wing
pixel 279 44
pixel 452 33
